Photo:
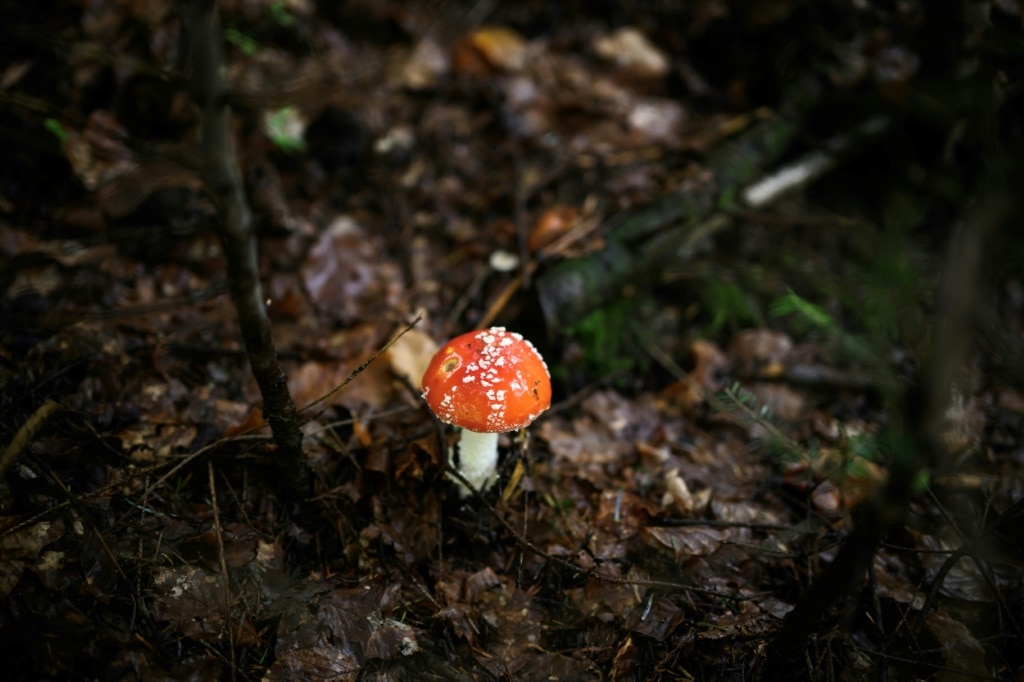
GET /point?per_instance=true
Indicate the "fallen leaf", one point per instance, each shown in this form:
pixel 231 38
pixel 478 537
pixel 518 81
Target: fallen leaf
pixel 686 542
pixel 346 275
pixel 632 52
pixel 410 355
pixel 489 50
pixel 751 350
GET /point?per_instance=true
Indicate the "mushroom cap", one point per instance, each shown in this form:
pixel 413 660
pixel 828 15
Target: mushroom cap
pixel 488 381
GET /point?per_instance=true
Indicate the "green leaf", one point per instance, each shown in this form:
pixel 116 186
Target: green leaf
pixel 811 315
pixel 56 129
pixel 285 129
pixel 280 14
pixel 729 306
pixel 243 42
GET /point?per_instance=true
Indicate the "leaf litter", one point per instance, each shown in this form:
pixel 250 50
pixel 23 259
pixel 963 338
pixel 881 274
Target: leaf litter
pixel 657 526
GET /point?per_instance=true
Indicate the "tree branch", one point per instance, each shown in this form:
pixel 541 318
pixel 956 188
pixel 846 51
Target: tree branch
pixel 222 178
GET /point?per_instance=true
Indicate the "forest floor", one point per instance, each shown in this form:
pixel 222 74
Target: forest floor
pixel 733 377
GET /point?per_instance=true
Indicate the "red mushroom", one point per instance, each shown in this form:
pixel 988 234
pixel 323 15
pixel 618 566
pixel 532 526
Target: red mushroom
pixel 486 382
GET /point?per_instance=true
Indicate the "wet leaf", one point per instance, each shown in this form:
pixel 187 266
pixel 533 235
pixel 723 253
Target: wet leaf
pixel 337 634
pixel 22 549
pixel 191 599
pixel 685 542
pixel 961 649
pixel 345 274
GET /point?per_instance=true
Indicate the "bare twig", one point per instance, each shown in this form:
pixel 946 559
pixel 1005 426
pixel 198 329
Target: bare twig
pixel 222 178
pixel 223 568
pixel 361 368
pixel 25 434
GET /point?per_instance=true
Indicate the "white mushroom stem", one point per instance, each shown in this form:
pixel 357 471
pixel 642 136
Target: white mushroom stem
pixel 478 460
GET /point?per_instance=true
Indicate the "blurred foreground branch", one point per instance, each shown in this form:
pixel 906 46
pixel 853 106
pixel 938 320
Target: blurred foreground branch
pixel 222 178
pixel 913 445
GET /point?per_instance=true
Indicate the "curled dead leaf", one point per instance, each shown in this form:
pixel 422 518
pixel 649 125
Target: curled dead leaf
pixel 632 52
pixel 489 50
pixel 552 224
pixel 410 355
pixel 678 494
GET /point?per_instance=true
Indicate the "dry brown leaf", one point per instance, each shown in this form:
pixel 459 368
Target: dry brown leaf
pixel 960 647
pixel 783 401
pixel 632 52
pixel 347 276
pixel 552 224
pixel 426 65
pixel 314 380
pixel 709 362
pixel 22 548
pixel 489 50
pixel 409 356
pixel 685 542
pixel 678 495
pixel 751 350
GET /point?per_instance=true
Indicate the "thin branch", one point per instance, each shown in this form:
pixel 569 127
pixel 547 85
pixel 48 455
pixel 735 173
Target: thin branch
pixel 225 576
pixel 26 433
pixel 222 178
